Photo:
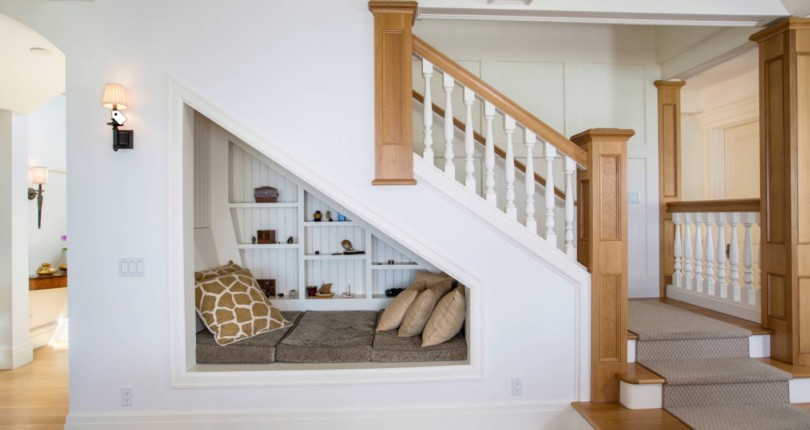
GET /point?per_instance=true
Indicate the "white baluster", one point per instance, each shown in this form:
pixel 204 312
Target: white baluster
pixel 489 154
pixel 734 258
pixel 677 272
pixel 449 127
pixel 509 165
pixel 698 255
pixel 722 285
pixel 758 292
pixel 531 222
pixel 469 181
pixel 709 282
pixel 569 168
pixel 427 112
pixel 687 252
pixel 748 261
pixel 550 154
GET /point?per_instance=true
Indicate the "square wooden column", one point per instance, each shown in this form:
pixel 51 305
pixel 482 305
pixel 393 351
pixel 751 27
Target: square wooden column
pixel 393 88
pixel 602 248
pixel 784 83
pixel 669 172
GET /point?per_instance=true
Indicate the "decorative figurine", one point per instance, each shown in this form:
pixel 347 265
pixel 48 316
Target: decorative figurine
pixel 317 216
pixel 341 217
pixel 253 239
pixel 290 239
pixel 293 294
pixel 329 216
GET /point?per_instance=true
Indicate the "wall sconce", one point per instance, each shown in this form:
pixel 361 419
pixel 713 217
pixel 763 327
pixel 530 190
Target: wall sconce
pixel 39 177
pixel 115 98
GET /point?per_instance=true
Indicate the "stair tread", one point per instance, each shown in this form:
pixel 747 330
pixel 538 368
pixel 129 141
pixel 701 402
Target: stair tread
pixel 716 371
pixel 744 417
pixel 637 374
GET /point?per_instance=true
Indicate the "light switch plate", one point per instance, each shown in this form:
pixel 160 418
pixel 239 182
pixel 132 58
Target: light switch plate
pixel 130 266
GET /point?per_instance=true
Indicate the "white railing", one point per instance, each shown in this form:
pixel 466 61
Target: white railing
pixel 707 261
pixel 502 189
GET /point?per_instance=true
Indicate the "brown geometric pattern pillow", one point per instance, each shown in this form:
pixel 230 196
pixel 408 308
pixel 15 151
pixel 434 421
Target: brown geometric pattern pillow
pixel 234 308
pixel 419 312
pixel 216 271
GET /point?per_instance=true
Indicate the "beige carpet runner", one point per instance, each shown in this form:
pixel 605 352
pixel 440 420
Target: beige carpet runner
pixel 711 384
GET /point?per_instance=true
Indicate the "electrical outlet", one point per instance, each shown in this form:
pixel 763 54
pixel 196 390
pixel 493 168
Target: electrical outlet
pixel 126 396
pixel 517 386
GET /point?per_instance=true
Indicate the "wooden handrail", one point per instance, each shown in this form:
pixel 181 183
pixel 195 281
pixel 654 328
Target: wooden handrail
pixel 505 104
pixel 483 141
pixel 738 205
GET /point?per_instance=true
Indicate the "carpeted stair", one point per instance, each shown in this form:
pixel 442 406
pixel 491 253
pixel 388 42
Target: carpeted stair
pixel 711 384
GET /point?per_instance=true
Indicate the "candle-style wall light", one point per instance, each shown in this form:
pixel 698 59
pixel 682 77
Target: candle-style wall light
pixel 39 177
pixel 115 98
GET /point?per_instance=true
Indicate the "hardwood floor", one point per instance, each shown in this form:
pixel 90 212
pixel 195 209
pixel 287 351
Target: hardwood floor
pixel 614 416
pixel 35 396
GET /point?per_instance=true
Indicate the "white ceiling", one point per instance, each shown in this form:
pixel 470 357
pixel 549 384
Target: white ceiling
pixel 33 68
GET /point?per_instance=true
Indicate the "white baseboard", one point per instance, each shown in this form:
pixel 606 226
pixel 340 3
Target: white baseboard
pixel 12 358
pixel 41 336
pixel 514 416
pixel 738 310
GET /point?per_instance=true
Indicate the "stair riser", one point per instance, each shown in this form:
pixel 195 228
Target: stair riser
pixel 692 349
pixel 758 346
pixel 725 394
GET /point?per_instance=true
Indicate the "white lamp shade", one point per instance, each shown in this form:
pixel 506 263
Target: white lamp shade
pixel 39 175
pixel 114 97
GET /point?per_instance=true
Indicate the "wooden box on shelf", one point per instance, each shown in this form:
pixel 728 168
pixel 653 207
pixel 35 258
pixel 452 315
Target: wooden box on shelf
pixel 268 286
pixel 265 195
pixel 266 236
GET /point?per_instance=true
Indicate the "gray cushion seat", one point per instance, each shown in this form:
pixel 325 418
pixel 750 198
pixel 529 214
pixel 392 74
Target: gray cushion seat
pixel 259 349
pixel 388 348
pixel 329 337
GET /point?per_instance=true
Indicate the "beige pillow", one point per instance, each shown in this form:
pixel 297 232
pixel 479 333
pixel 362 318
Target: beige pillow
pixel 447 319
pixel 216 271
pixel 233 308
pixel 417 315
pixel 430 278
pixel 395 312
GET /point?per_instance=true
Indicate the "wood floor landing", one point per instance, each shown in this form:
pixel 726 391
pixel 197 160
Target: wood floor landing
pixel 614 416
pixel 35 396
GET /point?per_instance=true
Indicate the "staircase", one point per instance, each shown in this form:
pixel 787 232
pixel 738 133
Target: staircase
pixel 700 370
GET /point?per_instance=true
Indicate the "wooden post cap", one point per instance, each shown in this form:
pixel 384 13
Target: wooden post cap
pixel 394 6
pixel 596 134
pixel 791 23
pixel 672 84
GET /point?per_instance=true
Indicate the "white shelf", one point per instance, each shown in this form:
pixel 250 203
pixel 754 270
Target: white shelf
pixel 334 257
pixel 268 245
pixel 280 205
pixel 329 224
pixel 385 266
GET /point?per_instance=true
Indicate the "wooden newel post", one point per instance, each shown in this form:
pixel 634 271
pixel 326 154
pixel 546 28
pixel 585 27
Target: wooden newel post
pixel 393 88
pixel 784 157
pixel 602 248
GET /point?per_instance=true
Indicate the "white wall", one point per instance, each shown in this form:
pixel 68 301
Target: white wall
pixel 304 81
pixel 47 147
pixel 707 112
pixel 573 77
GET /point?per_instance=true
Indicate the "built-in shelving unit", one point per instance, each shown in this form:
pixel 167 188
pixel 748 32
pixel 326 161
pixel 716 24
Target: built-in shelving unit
pixel 315 255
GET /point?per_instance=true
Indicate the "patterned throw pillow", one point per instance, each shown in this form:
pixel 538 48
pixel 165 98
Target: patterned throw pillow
pixel 395 312
pixel 216 271
pixel 430 278
pixel 233 308
pixel 447 319
pixel 417 315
